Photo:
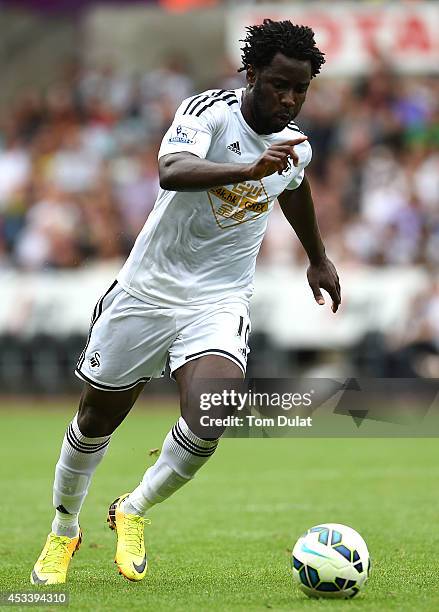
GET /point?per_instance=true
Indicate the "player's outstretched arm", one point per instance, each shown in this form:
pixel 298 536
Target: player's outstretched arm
pixel 187 172
pixel 298 208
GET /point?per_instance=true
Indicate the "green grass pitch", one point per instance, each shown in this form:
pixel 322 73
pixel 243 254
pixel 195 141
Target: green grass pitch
pixel 223 542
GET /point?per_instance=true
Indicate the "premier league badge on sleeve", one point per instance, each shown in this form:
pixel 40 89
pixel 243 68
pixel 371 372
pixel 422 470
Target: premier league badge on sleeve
pixel 183 135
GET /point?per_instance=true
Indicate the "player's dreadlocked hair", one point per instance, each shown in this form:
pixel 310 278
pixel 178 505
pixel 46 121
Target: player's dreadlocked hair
pixel 263 42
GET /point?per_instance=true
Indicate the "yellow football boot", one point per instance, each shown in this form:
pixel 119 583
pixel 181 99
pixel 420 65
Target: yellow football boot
pixel 53 563
pixel 130 553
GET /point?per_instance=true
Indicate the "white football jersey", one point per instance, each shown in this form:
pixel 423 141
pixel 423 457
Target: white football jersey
pixel 201 246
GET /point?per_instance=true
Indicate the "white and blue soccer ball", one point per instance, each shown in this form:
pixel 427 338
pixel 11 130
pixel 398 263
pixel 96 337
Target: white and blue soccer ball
pixel 331 560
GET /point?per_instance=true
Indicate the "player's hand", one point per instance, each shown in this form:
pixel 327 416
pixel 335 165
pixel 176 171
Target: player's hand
pixel 275 159
pixel 324 276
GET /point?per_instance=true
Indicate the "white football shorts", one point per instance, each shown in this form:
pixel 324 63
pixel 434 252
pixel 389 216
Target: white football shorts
pixel 129 340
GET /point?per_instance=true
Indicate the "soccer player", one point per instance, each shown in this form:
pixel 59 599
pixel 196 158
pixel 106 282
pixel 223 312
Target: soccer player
pixel 184 291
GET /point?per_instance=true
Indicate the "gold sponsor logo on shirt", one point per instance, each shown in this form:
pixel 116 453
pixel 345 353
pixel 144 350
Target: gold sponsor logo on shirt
pixel 243 196
pixel 239 204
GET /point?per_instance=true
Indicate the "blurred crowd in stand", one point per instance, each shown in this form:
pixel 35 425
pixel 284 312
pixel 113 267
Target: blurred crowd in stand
pixel 78 172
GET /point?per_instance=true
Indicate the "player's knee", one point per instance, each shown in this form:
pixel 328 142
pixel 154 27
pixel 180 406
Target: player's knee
pixel 91 422
pixel 101 412
pixel 93 419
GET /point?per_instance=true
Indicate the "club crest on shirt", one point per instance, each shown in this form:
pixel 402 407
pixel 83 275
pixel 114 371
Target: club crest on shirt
pixel 288 169
pixel 183 134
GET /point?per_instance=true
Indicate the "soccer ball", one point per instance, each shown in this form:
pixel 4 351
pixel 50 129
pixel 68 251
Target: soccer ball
pixel 331 560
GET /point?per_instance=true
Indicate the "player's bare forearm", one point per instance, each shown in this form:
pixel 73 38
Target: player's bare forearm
pixel 187 172
pixel 298 208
